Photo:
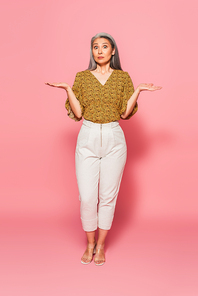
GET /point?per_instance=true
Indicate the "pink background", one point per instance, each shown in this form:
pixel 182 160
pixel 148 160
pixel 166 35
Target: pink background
pixel 49 41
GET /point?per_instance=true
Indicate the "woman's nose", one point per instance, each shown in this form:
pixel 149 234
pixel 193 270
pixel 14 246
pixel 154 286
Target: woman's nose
pixel 99 50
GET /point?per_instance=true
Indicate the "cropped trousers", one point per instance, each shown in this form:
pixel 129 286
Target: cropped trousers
pixel 100 158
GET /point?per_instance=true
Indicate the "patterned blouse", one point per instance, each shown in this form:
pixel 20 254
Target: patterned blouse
pixel 102 103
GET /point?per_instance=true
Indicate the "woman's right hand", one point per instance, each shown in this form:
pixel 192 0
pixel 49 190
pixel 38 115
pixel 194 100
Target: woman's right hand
pixel 63 85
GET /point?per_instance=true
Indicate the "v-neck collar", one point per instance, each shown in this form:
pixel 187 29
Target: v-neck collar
pixel 99 81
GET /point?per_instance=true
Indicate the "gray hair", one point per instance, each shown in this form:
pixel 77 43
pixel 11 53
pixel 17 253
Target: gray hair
pixel 115 60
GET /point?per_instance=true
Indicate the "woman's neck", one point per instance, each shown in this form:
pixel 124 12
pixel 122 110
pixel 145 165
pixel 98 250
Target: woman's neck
pixel 103 69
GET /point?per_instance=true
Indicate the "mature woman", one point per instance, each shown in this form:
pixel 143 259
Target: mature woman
pixel 102 95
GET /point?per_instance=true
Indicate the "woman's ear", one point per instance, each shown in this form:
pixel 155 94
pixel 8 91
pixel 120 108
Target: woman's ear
pixel 113 51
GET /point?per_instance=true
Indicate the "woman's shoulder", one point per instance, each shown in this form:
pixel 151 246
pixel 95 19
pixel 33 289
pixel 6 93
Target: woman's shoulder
pixel 82 73
pixel 122 74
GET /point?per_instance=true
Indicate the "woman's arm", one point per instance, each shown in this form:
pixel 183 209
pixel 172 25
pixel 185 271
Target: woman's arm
pixel 74 103
pixel 133 99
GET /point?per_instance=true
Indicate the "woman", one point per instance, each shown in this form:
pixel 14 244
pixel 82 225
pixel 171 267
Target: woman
pixel 102 95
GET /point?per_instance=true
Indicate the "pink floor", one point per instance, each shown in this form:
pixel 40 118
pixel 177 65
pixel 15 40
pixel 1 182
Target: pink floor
pixel 43 258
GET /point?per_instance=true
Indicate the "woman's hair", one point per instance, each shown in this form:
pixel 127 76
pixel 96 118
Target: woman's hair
pixel 115 60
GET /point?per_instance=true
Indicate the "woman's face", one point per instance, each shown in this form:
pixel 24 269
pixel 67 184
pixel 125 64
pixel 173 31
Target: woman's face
pixel 102 51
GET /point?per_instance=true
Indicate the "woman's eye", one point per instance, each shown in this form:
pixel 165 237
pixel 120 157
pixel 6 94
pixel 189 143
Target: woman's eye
pixel 105 46
pixel 95 47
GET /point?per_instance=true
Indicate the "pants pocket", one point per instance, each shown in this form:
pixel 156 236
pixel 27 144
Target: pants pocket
pixel 83 136
pixel 118 135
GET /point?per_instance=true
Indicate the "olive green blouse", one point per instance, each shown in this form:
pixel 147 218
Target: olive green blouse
pixel 102 103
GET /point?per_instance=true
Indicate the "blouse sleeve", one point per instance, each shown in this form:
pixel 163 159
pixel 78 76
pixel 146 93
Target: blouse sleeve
pixel 77 89
pixel 127 93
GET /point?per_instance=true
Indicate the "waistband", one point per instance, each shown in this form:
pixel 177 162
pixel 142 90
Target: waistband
pixel 96 125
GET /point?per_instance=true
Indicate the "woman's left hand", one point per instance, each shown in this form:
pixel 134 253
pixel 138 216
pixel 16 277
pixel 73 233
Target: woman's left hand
pixel 148 86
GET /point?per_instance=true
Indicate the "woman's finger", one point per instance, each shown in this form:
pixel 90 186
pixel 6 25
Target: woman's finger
pixel 155 87
pixel 51 84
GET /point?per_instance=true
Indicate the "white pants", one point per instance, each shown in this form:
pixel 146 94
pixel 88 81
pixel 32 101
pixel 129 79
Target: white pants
pixel 100 159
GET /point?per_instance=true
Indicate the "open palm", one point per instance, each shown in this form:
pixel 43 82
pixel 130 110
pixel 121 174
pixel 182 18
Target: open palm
pixel 63 85
pixel 148 86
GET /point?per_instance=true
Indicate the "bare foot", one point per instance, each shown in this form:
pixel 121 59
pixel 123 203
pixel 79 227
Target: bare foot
pixel 88 254
pixel 100 255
